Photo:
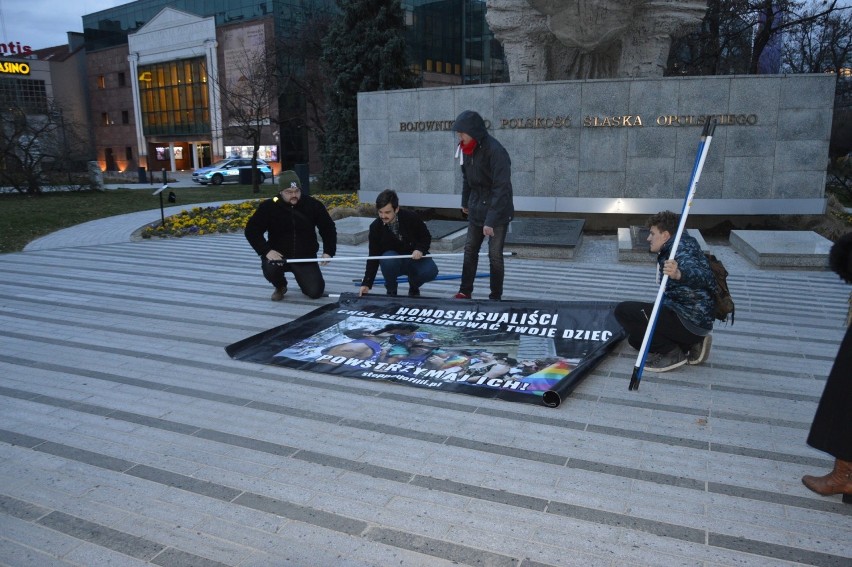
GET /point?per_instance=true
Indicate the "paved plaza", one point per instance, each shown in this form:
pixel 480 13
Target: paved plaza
pixel 129 437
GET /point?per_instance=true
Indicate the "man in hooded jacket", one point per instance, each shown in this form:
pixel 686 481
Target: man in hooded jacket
pixel 486 199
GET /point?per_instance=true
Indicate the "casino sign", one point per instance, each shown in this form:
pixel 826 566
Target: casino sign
pixel 14 68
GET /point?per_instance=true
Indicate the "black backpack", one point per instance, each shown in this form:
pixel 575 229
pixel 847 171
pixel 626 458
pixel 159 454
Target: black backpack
pixel 723 304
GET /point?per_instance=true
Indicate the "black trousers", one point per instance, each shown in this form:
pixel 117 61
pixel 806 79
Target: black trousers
pixel 308 276
pixel 474 241
pixel 668 334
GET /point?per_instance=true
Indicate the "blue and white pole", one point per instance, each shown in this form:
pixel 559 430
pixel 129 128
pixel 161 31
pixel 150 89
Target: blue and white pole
pixel 703 148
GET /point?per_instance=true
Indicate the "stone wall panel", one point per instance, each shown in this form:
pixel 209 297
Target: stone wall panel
pixel 613 145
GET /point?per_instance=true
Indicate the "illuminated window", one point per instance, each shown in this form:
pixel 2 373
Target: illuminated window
pixel 27 94
pixel 174 98
pixel 101 82
pixel 105 118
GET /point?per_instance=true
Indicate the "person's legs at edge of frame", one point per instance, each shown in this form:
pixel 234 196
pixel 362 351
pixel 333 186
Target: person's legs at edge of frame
pixel 391 269
pixel 495 260
pixel 309 277
pixel 472 244
pixel 274 274
pixel 419 272
pixel 831 429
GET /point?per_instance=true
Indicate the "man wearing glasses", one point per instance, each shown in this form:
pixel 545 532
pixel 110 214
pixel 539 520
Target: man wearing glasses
pixel 286 227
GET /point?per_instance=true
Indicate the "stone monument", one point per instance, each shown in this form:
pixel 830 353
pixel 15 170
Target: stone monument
pixel 550 40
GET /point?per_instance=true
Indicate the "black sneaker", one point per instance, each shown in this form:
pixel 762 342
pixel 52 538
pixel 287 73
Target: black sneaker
pixel 392 293
pixel 278 294
pixel 413 292
pixel 700 351
pixel 658 362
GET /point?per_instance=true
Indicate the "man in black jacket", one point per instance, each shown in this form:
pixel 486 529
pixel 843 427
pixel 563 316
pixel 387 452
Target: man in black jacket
pixel 398 232
pixel 291 220
pixel 486 199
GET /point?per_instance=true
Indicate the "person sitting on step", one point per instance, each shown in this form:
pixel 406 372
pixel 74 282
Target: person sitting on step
pixel 685 319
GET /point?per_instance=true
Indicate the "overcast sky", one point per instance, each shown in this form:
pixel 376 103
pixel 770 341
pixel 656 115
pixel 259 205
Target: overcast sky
pixel 44 23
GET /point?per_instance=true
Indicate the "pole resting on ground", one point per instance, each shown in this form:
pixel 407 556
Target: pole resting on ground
pixel 703 148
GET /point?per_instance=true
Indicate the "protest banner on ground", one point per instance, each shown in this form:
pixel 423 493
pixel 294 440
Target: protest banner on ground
pixel 529 351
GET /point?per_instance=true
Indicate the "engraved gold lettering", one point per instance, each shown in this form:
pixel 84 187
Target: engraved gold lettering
pixel 547 122
pixel 623 121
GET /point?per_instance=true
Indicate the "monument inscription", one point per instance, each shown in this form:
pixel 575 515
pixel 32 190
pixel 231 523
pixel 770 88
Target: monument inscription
pixel 614 146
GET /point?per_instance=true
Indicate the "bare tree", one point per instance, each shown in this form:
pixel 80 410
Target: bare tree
pixel 776 17
pixel 821 44
pixel 41 147
pixel 735 34
pixel 249 92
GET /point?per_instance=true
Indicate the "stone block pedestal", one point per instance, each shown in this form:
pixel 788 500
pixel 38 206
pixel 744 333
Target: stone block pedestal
pixel 802 249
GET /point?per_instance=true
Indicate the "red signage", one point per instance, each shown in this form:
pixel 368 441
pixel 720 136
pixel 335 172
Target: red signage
pixel 14 48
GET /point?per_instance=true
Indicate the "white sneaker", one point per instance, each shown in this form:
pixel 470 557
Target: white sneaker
pixel 699 352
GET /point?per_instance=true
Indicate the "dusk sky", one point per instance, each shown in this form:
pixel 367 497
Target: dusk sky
pixel 44 23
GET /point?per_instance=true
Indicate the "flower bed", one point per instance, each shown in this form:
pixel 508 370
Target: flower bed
pixel 230 217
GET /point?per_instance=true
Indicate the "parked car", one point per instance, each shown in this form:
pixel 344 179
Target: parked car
pixel 229 170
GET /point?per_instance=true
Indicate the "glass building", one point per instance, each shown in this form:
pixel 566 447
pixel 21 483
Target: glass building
pixel 451 39
pixel 448 41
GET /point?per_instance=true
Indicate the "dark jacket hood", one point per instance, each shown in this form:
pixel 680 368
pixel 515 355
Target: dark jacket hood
pixel 472 124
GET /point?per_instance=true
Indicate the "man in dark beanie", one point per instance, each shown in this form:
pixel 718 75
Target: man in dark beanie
pixel 285 227
pixel 831 430
pixel 486 199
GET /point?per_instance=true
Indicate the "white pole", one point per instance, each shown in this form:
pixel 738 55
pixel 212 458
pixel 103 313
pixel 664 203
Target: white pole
pixel 703 148
pixel 362 258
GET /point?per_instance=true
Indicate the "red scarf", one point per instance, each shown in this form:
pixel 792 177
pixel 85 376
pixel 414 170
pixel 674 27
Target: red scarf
pixel 468 148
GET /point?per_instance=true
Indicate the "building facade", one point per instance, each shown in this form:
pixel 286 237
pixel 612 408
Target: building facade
pixel 157 68
pixel 46 88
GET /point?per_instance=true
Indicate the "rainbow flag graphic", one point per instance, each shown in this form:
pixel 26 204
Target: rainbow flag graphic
pixel 546 378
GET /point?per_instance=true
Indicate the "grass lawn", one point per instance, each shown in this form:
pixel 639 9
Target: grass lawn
pixel 24 217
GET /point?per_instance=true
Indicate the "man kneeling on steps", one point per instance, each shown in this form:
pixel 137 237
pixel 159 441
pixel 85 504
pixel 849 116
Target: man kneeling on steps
pixel 685 321
pixel 398 232
pixel 285 227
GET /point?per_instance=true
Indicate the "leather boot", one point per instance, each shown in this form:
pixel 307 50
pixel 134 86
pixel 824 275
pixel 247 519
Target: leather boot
pixel 838 481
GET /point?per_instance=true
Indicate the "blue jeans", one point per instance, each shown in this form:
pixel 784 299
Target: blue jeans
pixel 495 258
pixel 418 271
